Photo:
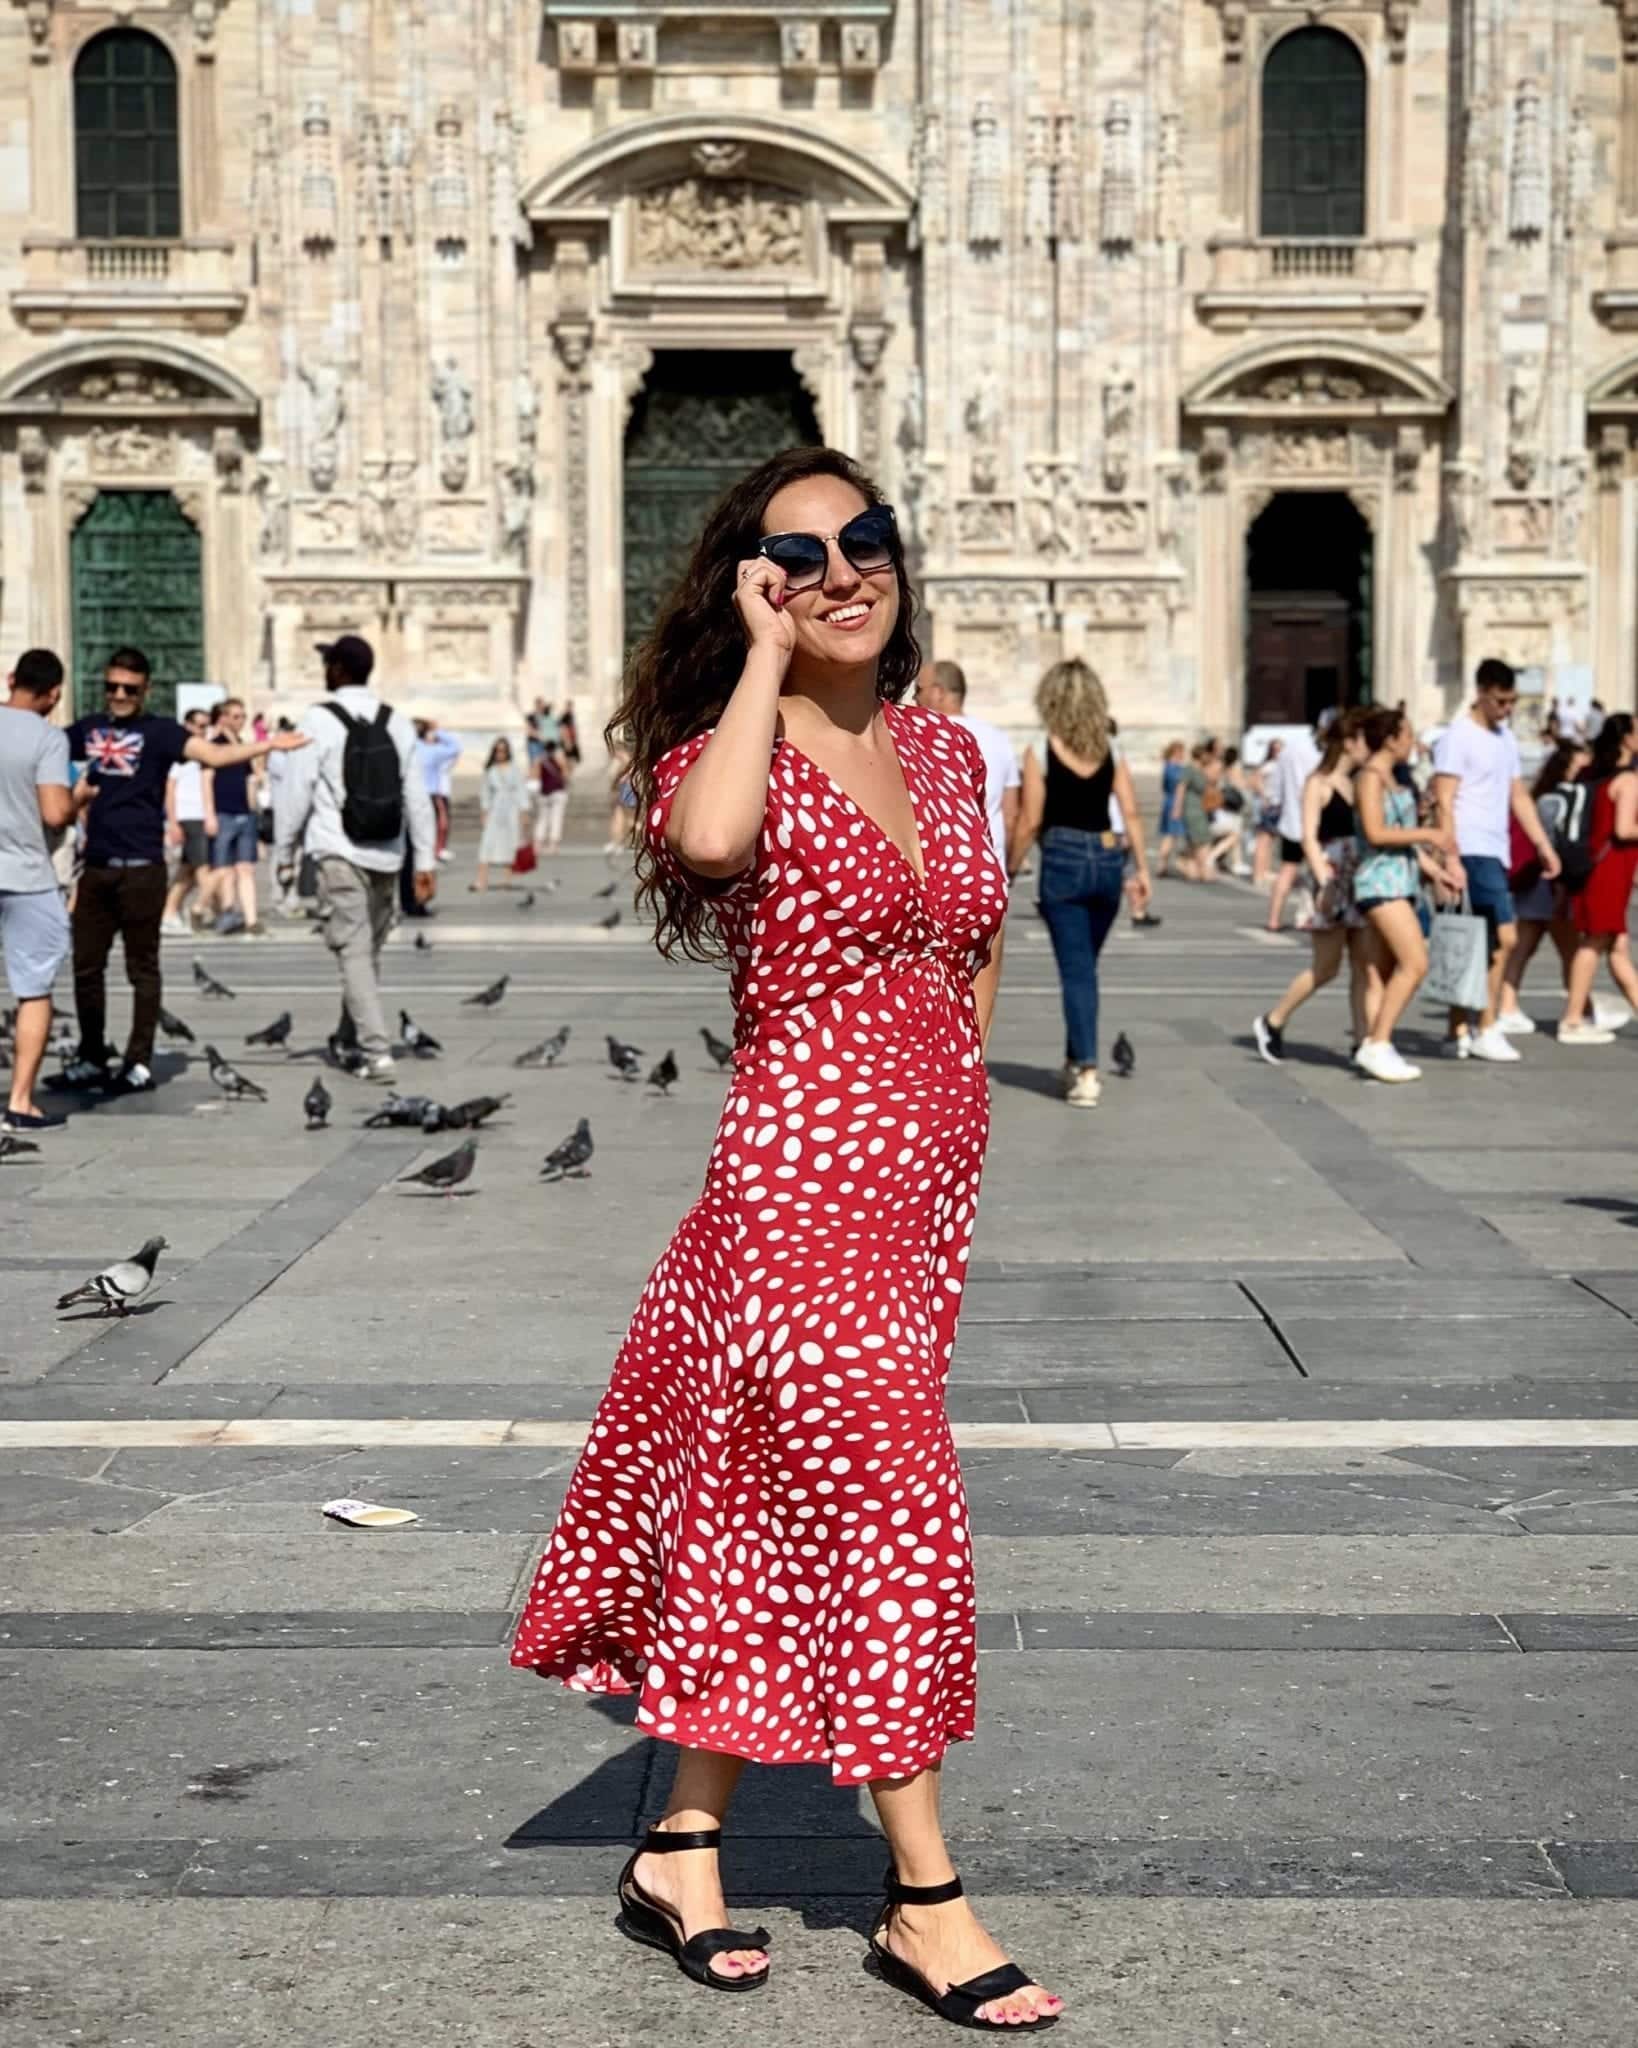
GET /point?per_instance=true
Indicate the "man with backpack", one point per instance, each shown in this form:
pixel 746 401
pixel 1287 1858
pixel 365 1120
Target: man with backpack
pixel 353 799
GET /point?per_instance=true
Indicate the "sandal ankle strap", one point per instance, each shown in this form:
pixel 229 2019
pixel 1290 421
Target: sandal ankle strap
pixel 658 1843
pixel 901 1894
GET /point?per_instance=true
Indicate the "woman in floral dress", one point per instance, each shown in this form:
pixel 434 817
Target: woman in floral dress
pixel 766 1537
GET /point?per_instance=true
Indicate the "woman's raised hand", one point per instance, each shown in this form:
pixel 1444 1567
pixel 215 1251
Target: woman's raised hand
pixel 759 596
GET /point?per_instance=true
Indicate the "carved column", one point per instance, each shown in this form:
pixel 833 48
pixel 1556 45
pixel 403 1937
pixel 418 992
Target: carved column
pixel 1626 182
pixel 571 332
pixel 867 337
pixel 1612 577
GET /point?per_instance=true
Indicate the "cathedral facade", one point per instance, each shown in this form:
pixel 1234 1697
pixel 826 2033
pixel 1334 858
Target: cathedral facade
pixel 1265 353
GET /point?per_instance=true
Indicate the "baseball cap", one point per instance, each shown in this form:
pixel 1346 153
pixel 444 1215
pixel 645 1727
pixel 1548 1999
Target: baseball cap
pixel 353 656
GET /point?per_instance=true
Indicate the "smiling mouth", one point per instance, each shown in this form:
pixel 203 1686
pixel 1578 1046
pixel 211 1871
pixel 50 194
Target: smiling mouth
pixel 848 615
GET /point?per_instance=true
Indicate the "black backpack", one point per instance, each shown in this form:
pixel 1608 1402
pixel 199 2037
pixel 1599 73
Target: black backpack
pixel 1571 834
pixel 372 777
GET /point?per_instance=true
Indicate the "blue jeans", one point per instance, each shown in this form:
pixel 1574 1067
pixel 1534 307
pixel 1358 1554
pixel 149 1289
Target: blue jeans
pixel 1080 900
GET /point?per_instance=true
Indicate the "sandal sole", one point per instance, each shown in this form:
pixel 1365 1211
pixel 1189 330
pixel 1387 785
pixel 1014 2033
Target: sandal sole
pixel 712 1980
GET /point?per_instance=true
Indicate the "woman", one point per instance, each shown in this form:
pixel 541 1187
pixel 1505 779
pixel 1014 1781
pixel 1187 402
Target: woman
pixel 1600 910
pixel 568 737
pixel 622 799
pixel 1199 790
pixel 1337 927
pixel 1067 806
pixel 1264 858
pixel 776 1560
pixel 501 798
pixel 1228 821
pixel 1395 852
pixel 1169 826
pixel 1540 906
pixel 551 800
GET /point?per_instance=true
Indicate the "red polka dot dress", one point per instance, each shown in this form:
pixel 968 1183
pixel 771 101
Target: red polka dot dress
pixel 766 1535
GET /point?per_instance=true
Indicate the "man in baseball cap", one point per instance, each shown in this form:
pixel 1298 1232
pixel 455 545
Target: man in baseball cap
pixel 355 658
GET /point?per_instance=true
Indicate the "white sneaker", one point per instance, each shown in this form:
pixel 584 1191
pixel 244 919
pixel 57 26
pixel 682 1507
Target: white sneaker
pixel 1493 1045
pixel 1378 1062
pixel 1086 1090
pixel 381 1069
pixel 1584 1034
pixel 1609 1016
pixel 1458 1048
pixel 1516 1024
pixel 174 928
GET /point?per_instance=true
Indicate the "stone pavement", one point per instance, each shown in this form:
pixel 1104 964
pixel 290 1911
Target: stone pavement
pixel 1301 1429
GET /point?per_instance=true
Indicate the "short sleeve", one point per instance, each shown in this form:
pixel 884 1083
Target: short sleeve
pixel 669 775
pixel 1447 754
pixel 76 740
pixel 1013 775
pixel 175 737
pixel 51 769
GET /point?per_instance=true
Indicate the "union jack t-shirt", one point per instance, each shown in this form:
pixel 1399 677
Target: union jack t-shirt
pixel 128 759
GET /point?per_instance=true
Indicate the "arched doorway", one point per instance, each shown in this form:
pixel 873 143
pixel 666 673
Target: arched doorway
pixel 1308 608
pixel 701 420
pixel 136 580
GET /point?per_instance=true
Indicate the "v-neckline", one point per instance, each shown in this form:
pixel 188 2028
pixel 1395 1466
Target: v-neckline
pixel 918 866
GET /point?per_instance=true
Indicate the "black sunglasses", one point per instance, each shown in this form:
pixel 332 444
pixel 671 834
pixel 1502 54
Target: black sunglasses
pixel 124 689
pixel 869 541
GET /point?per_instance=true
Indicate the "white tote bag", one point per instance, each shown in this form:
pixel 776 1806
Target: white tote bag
pixel 1458 959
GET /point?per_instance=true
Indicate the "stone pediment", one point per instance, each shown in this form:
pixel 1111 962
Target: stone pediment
pixel 107 379
pixel 1325 379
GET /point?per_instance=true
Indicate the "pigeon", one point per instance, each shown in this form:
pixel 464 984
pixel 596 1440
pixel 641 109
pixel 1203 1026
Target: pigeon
pixel 315 1105
pixel 14 1148
pixel 422 943
pixel 173 1027
pixel 602 895
pixel 400 1112
pixel 119 1285
pixel 608 923
pixel 446 1174
pixel 468 1116
pixel 720 1052
pixel 421 1043
pixel 623 1058
pixel 1124 1057
pixel 527 902
pixel 547 1053
pixel 208 985
pixel 276 1033
pixel 568 1161
pixel 664 1073
pixel 231 1082
pixel 487 998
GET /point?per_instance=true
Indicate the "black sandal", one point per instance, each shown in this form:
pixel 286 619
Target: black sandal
pixel 656 1926
pixel 960 2003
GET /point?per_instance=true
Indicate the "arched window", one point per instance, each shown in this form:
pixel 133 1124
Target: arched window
pixel 127 159
pixel 1314 136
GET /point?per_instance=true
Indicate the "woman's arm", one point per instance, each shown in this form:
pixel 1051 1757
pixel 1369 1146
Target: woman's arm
pixel 986 982
pixel 1368 786
pixel 1313 802
pixel 1625 797
pixel 716 817
pixel 1140 888
pixel 1031 808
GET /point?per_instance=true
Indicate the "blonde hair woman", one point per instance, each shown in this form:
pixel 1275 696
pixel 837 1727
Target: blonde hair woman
pixel 1066 805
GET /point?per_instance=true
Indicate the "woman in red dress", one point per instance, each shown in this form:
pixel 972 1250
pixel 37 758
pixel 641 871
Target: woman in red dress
pixel 766 1536
pixel 1599 911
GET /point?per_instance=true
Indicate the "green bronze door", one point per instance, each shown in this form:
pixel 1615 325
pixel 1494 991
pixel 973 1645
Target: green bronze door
pixel 700 422
pixel 136 582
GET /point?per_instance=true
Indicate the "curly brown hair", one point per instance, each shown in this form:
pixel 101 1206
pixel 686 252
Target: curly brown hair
pixel 681 676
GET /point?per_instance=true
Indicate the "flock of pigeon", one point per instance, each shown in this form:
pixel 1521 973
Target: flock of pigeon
pixel 120 1286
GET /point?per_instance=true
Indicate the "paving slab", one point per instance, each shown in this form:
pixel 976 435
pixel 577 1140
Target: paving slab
pixel 1492 1350
pixel 1151 1973
pixel 1025 1353
pixel 1066 1294
pixel 188 1565
pixel 1423 1297
pixel 1321 1574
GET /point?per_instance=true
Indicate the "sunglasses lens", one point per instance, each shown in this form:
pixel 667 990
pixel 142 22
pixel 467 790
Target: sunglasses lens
pixel 870 540
pixel 800 556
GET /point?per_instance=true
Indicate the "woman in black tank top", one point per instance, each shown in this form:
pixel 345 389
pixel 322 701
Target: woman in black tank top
pixel 1078 800
pixel 1336 926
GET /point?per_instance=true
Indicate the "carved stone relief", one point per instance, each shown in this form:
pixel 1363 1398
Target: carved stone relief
pixel 1119 401
pixel 636 46
pixel 731 224
pixel 1052 510
pixel 577 46
pixel 799 48
pixel 928 176
pixel 456 526
pixel 1527 172
pixel 131 451
pixel 984 179
pixel 318 179
pixel 985 525
pixel 457 423
pixel 861 48
pixel 1114 527
pixel 449 194
pixel 982 419
pixel 324 525
pixel 1521 524
pixel 33 457
pixel 1117 196
pixel 227 449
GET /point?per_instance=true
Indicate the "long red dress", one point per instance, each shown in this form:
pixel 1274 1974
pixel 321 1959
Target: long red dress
pixel 766 1535
pixel 1600 911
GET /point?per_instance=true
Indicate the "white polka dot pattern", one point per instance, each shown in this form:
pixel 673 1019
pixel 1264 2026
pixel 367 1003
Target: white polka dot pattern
pixel 766 1535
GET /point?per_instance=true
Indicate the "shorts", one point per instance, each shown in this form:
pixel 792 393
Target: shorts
pixel 1291 853
pixel 1335 909
pixel 34 933
pixel 195 844
pixel 235 840
pixel 1488 892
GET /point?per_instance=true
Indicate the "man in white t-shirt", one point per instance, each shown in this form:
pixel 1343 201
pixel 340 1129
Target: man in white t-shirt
pixel 1299 757
pixel 190 825
pixel 941 686
pixel 1479 789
